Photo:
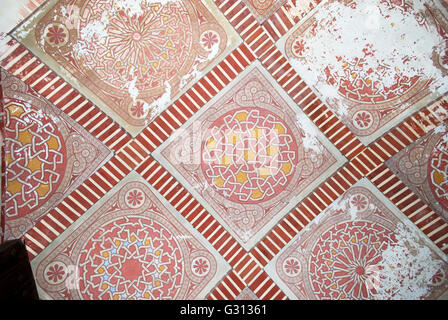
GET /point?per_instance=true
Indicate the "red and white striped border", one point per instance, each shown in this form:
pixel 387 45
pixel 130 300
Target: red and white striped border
pixel 411 205
pixel 190 102
pixel 263 46
pixel 24 65
pixel 282 21
pixel 76 204
pixel 244 266
pixel 134 154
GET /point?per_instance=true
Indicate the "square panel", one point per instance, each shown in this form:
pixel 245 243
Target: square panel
pixel 422 167
pixel 262 9
pixel 131 245
pixel 250 155
pixel 361 247
pixel 132 59
pixel 47 155
pixel 373 63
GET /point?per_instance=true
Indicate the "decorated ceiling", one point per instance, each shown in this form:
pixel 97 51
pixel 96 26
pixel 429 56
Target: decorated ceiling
pixel 228 149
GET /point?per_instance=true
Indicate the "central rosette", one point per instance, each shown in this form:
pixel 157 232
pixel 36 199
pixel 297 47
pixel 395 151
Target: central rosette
pixel 131 257
pixel 345 259
pixel 152 47
pixel 249 155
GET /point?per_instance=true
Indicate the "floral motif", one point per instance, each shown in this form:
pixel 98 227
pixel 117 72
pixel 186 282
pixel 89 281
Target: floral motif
pixel 351 273
pixel 292 266
pixel 445 59
pixel 149 55
pixel 134 198
pixel 363 120
pixel 56 35
pixel 360 202
pixel 299 47
pixel 209 39
pixel 438 277
pixel 55 273
pixel 137 110
pixel 200 266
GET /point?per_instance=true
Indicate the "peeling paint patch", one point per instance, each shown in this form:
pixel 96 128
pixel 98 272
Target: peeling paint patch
pixel 408 269
pixel 160 104
pixel 310 139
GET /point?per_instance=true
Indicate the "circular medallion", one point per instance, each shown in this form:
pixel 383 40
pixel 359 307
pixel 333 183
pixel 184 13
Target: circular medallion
pixel 56 34
pixel 343 257
pixel 131 258
pixel 200 266
pixel 135 198
pixel 249 155
pixel 362 120
pixel 152 48
pixel 55 273
pixel 35 158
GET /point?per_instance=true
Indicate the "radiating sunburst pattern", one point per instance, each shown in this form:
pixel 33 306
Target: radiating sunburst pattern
pixel 150 48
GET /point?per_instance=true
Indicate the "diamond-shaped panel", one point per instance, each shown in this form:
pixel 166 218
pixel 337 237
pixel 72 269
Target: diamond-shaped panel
pixel 343 50
pixel 130 245
pixel 47 156
pixel 250 155
pixel 132 61
pixel 361 247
